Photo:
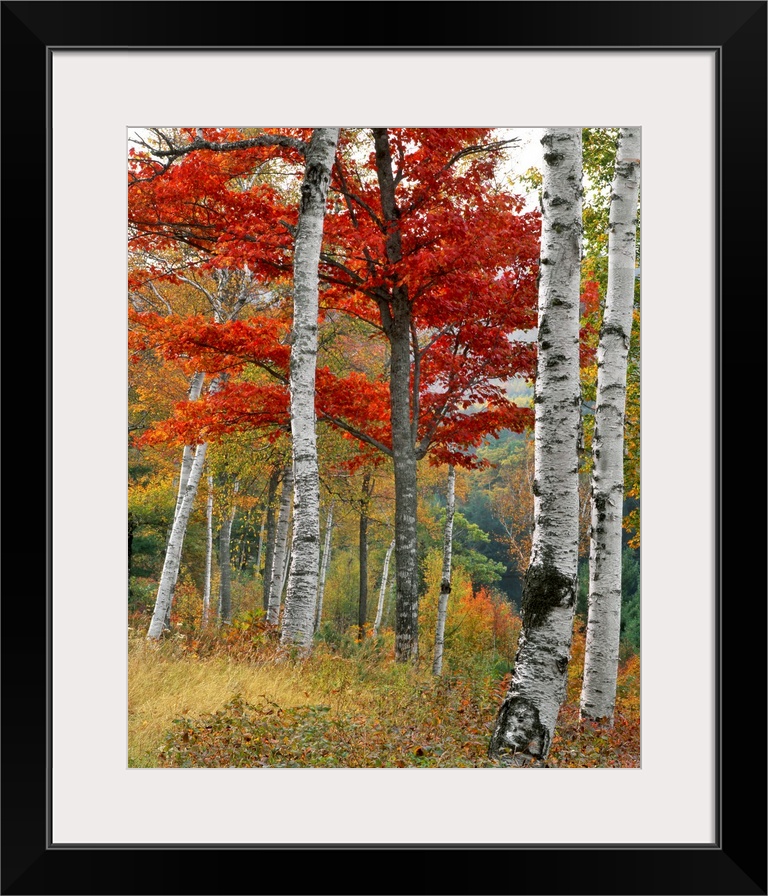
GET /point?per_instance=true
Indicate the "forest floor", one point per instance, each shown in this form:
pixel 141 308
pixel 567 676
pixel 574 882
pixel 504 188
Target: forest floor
pixel 226 701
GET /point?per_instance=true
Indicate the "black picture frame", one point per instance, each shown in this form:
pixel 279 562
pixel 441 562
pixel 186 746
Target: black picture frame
pixel 736 862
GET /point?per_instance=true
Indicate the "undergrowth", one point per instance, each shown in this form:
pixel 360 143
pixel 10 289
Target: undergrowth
pixel 232 700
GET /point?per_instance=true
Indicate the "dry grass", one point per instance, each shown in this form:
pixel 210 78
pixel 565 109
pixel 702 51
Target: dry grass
pixel 359 709
pixel 162 686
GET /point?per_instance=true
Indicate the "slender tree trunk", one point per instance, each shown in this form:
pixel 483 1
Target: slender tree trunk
pixel 286 564
pixel 301 598
pixel 324 567
pixel 527 717
pixel 274 481
pixel 396 320
pixel 225 568
pixel 208 554
pixel 260 554
pixel 383 589
pixel 445 584
pixel 362 604
pixel 173 554
pixel 188 455
pixel 281 547
pixel 598 695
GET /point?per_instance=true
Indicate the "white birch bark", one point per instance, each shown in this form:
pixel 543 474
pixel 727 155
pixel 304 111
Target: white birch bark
pixel 598 695
pixel 445 583
pixel 301 598
pixel 383 589
pixel 274 480
pixel 208 554
pixel 286 564
pixel 188 455
pixel 281 546
pixel 324 567
pixel 225 566
pixel 168 577
pixel 526 720
pixel 173 553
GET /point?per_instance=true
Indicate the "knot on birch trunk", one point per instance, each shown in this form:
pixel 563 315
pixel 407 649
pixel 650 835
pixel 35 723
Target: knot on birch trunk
pixel 545 588
pixel 519 737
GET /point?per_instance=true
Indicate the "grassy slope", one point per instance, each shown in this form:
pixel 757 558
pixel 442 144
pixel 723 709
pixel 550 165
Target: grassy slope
pixel 359 710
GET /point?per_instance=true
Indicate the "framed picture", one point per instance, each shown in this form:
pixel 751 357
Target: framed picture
pixel 693 76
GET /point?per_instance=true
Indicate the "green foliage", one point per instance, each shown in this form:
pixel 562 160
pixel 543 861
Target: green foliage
pixel 142 592
pixel 470 543
pixel 630 600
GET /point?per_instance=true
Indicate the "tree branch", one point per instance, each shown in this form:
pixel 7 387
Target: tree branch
pixel 479 150
pixel 375 443
pixel 283 140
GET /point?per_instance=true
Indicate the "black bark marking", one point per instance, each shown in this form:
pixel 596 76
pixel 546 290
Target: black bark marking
pixel 544 588
pixel 519 730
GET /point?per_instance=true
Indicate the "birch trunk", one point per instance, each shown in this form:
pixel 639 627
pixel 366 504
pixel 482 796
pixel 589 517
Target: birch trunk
pixel 225 569
pixel 396 321
pixel 445 584
pixel 324 567
pixel 281 546
pixel 188 455
pixel 383 589
pixel 173 553
pixel 301 598
pixel 362 605
pixel 526 720
pixel 274 481
pixel 286 564
pixel 598 695
pixel 208 554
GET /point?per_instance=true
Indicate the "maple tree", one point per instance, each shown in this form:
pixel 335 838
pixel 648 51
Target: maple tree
pixel 421 246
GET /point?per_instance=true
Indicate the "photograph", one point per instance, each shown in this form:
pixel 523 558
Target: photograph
pixel 361 338
pixel 384 447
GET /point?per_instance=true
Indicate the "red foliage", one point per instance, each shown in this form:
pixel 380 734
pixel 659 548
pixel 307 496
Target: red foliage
pixel 468 266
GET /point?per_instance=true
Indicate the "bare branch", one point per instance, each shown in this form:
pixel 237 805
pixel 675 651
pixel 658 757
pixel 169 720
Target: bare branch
pixel 283 140
pixel 479 150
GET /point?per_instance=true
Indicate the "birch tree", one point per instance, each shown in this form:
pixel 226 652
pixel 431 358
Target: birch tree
pixel 225 564
pixel 445 581
pixel 362 604
pixel 598 695
pixel 227 301
pixel 208 554
pixel 187 457
pixel 173 553
pixel 301 598
pixel 526 720
pixel 271 535
pixel 383 589
pixel 281 547
pixel 188 453
pixel 324 567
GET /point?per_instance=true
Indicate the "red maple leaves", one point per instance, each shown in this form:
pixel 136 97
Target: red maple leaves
pixel 468 260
